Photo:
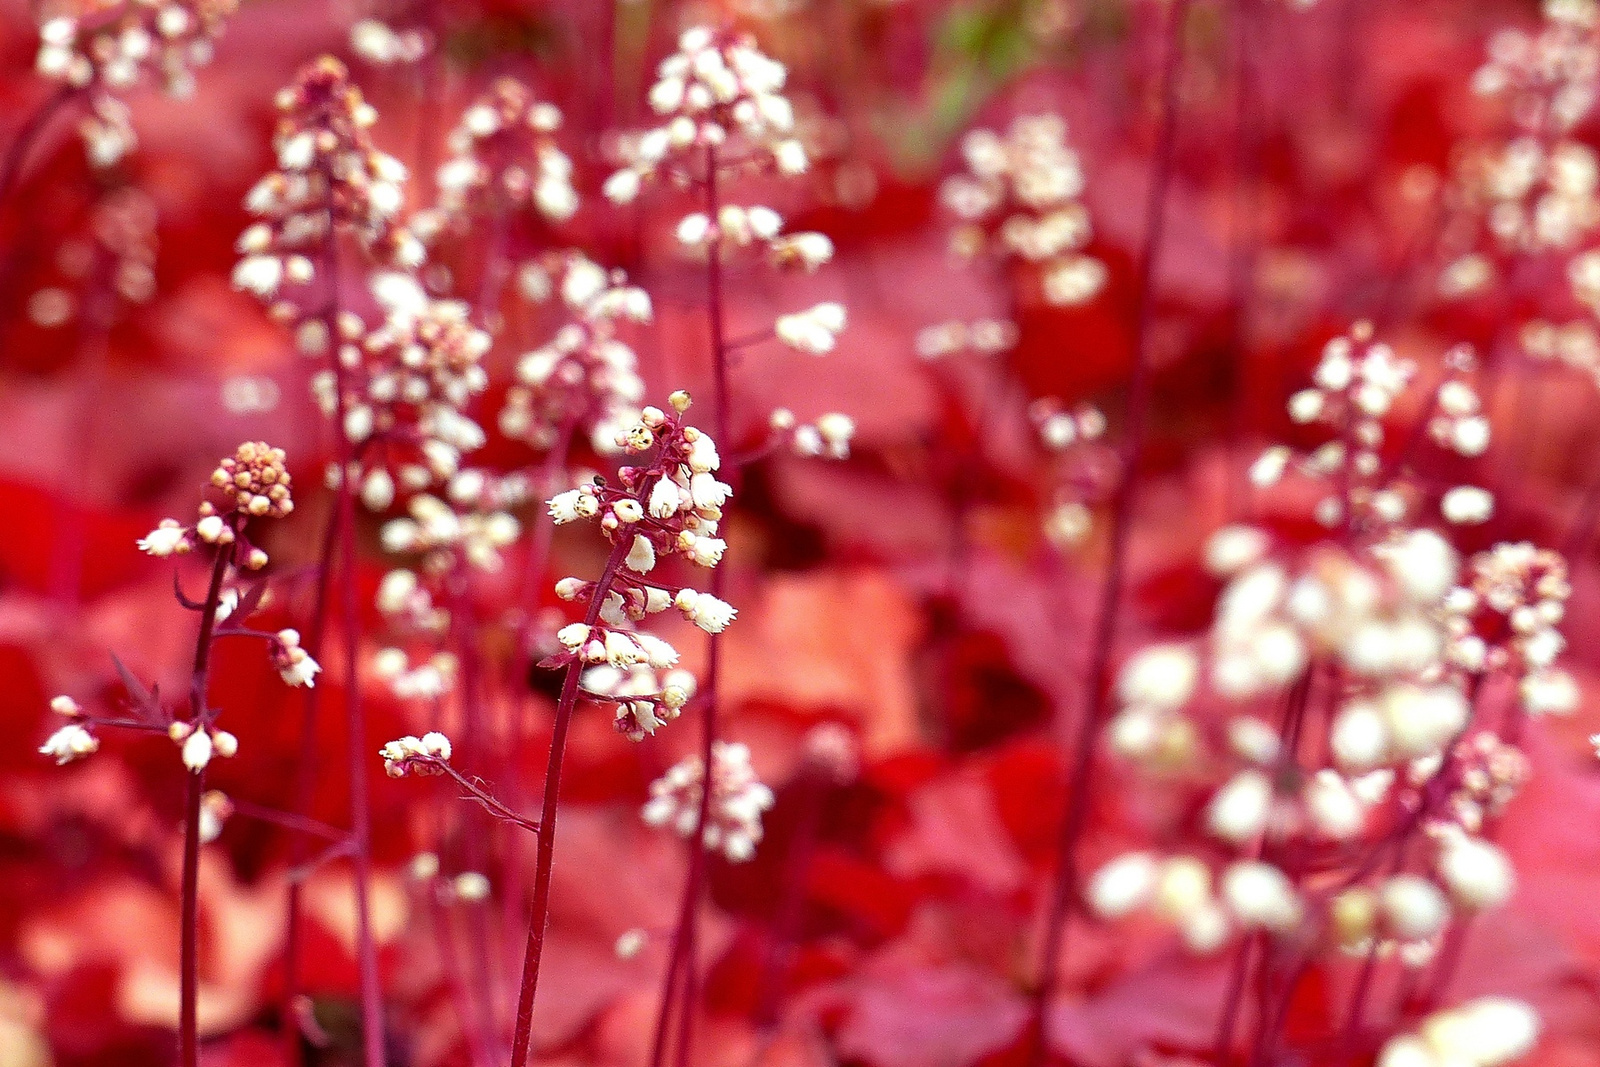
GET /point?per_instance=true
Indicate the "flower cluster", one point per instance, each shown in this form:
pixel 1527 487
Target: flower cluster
pixel 1355 385
pixel 1506 617
pixel 406 387
pixel 330 177
pixel 585 375
pixel 738 797
pixel 672 505
pixel 1487 1032
pixel 504 157
pixel 72 741
pixel 415 755
pixel 256 481
pixel 719 94
pixel 1073 440
pixel 1019 200
pixel 109 45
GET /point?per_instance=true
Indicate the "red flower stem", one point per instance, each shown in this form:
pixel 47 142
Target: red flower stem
pixel 17 152
pixel 355 721
pixel 189 946
pixel 1066 889
pixel 533 581
pixel 1233 1001
pixel 658 1045
pixel 689 917
pixel 473 1028
pixel 305 791
pixel 811 791
pixel 521 1038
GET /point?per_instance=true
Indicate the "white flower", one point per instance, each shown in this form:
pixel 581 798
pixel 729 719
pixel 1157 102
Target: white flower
pixel 165 539
pixel 704 610
pixel 1477 873
pixel 71 742
pixel 197 750
pixel 641 557
pixel 1162 676
pixel 1414 907
pixel 1122 885
pixel 1467 505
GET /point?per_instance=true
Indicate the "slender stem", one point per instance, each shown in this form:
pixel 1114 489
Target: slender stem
pixel 188 949
pixel 811 791
pixel 689 916
pixel 355 721
pixel 1065 891
pixel 521 1039
pixel 305 787
pixel 533 580
pixel 1233 1001
pixel 17 152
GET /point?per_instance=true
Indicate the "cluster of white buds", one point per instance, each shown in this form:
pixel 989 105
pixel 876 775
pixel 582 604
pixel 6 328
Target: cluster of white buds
pixel 1073 439
pixel 257 481
pixel 415 755
pixel 199 743
pixel 111 45
pixel 72 741
pixel 646 698
pixel 586 375
pixel 378 42
pixel 329 173
pixel 293 663
pixel 1458 423
pixel 718 93
pixel 119 246
pixel 1532 197
pixel 1574 344
pixel 1019 200
pixel 503 158
pixel 672 505
pixel 1507 615
pixel 1487 1032
pixel 1355 386
pixel 828 437
pixel 985 337
pixel 1535 192
pixel 815 330
pixel 426 680
pixel 1549 76
pixel 473 527
pixel 407 385
pixel 733 824
pixel 738 227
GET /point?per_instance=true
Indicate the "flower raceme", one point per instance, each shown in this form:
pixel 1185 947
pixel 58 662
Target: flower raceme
pixel 670 505
pixel 718 90
pixel 737 800
pixel 586 376
pixel 111 45
pixel 329 174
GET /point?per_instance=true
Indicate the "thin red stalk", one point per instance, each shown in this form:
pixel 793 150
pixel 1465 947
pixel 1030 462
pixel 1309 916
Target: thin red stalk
pixel 811 792
pixel 669 988
pixel 355 720
pixel 1233 1001
pixel 305 789
pixel 474 832
pixel 521 1038
pixel 688 921
pixel 17 152
pixel 1065 891
pixel 533 580
pixel 1245 235
pixel 188 950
